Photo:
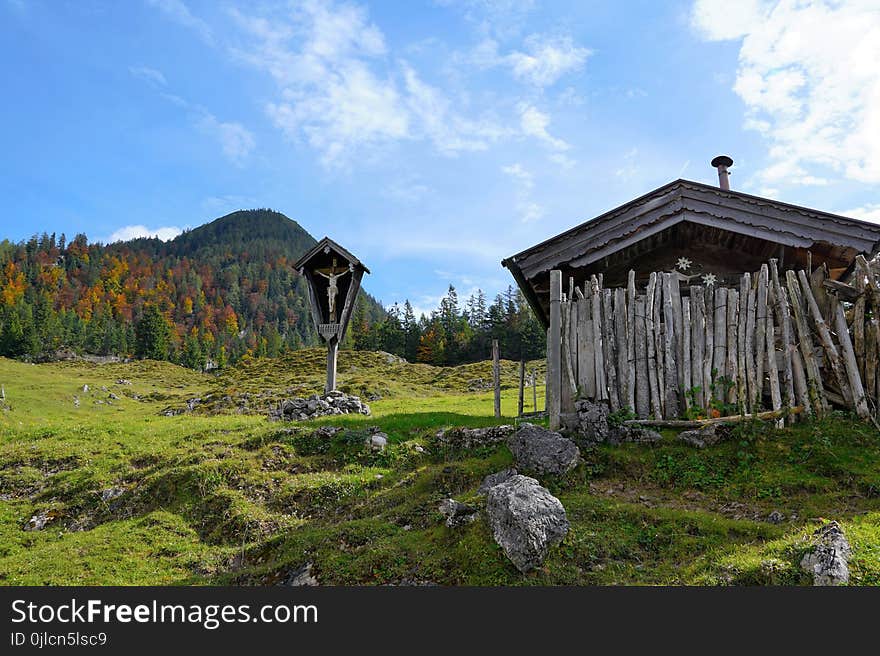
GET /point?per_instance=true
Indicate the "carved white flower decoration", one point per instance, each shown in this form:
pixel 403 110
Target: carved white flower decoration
pixel 683 263
pixel 709 279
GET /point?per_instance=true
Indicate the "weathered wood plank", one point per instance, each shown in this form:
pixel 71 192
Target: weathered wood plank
pixel 598 340
pixel 719 359
pixel 653 387
pixel 731 368
pixel 586 355
pixel 698 343
pixel 784 321
pixel 658 340
pixel 772 368
pixel 686 350
pixel 554 351
pixel 858 322
pixel 709 348
pixel 698 423
pixel 631 339
pixel 752 392
pixel 831 351
pixel 850 364
pixel 760 333
pixel 621 346
pixel 609 348
pixel 815 387
pixel 496 377
pixel 670 345
pixel 640 351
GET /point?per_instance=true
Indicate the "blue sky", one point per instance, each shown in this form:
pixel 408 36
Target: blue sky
pixel 431 138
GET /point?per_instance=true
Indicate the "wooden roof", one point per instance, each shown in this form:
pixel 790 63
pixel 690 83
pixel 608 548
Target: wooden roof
pixel 618 237
pixel 318 249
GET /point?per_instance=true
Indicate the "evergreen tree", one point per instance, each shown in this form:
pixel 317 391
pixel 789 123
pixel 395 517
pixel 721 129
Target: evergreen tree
pixel 152 335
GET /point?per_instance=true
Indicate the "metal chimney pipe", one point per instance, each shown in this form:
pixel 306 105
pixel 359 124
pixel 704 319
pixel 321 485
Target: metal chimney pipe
pixel 721 163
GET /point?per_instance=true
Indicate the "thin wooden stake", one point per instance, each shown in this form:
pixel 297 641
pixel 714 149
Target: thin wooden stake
pixel 815 387
pixel 849 361
pixel 760 334
pixel 522 388
pixel 631 340
pixel 709 349
pixel 598 340
pixel 686 349
pixel 621 340
pixel 670 345
pixel 496 377
pixel 653 387
pixel 698 343
pixel 609 346
pixel 640 350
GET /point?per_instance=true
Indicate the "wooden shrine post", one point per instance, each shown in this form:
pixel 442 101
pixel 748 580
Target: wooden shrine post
pixel 334 277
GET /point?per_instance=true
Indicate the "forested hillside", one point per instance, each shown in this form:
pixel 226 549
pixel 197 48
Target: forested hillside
pixel 215 294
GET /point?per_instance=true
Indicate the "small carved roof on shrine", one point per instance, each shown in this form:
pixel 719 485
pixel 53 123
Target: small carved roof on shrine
pixel 324 246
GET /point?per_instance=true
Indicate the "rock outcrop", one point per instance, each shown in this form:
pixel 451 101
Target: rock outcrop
pixel 589 425
pixel 314 406
pixel 540 451
pixel 828 561
pixel 526 520
pixel 457 513
pixel 469 438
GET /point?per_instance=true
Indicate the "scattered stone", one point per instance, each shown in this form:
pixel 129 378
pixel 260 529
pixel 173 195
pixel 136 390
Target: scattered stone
pixel 85 389
pixel 469 438
pixel 828 561
pixel 104 388
pixel 418 448
pixel 588 425
pixel 776 517
pixel 38 522
pixel 113 396
pixel 327 432
pixel 378 441
pixel 112 493
pixel 541 451
pixel 75 401
pixel 457 513
pixel 701 437
pixel 123 381
pixel 332 403
pixel 495 479
pixel 301 577
pixel 634 434
pixel 526 520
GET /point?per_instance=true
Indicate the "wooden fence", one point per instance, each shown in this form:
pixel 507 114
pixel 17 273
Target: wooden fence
pixel 787 342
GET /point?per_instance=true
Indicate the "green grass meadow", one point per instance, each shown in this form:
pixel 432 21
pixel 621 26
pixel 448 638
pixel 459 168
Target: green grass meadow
pixel 224 496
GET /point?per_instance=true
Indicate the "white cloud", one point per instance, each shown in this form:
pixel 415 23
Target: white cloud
pixel 235 140
pixel 149 74
pixel 339 95
pixel 543 62
pixel 128 233
pixel 809 77
pixel 870 212
pixel 177 11
pixel 524 183
pixel 547 59
pixel 534 122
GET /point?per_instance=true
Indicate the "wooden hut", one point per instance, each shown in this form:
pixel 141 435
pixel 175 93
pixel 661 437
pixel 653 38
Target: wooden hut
pixel 719 231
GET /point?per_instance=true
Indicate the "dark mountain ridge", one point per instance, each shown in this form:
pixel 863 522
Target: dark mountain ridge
pixel 215 293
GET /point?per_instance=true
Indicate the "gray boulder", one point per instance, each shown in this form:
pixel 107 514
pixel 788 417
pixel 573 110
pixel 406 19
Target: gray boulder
pixel 378 441
pixel 588 425
pixel 828 562
pixel 526 520
pixel 457 513
pixel 701 437
pixel 541 451
pixel 495 479
pixel 633 434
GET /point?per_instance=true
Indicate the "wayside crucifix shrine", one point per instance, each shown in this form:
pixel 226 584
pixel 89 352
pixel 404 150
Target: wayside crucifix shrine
pixel 334 277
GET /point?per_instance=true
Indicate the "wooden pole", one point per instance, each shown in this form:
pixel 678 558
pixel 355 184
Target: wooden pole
pixel 598 339
pixel 332 350
pixel 732 325
pixel 640 375
pixel 670 346
pixel 534 391
pixel 784 318
pixel 815 387
pixel 709 350
pixel 772 367
pixel 719 359
pixel 554 347
pixel 753 393
pixel 831 351
pixel 622 343
pixel 686 349
pixel 496 376
pixel 610 347
pixel 731 419
pixel 849 361
pixel 698 342
pixel 760 334
pixel 653 387
pixel 522 387
pixel 631 339
pixel 586 357
pixel 658 340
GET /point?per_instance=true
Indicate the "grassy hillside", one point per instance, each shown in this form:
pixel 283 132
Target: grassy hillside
pixel 234 498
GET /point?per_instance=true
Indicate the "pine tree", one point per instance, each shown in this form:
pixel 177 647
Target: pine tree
pixel 152 335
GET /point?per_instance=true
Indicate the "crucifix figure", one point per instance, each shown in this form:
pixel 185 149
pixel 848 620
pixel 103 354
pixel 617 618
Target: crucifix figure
pixel 332 288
